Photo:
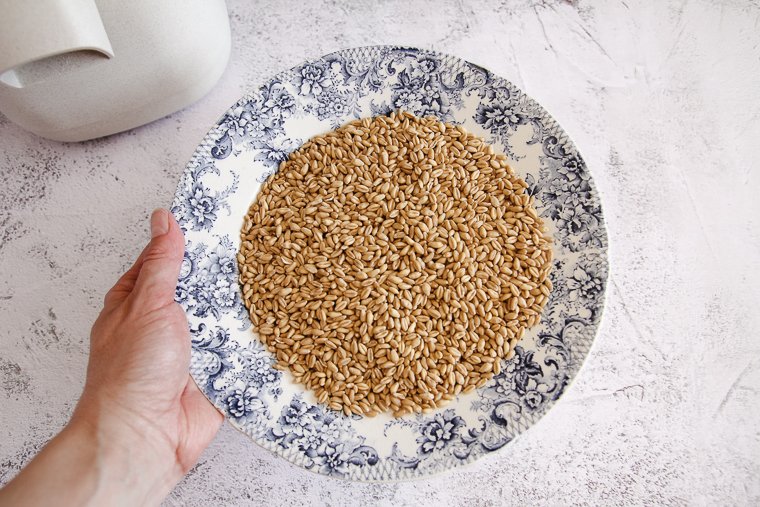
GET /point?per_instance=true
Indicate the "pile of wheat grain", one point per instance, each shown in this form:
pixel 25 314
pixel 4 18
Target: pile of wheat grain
pixel 393 263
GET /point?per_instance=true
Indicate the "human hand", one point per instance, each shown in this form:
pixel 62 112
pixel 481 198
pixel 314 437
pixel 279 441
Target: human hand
pixel 141 422
pixel 138 392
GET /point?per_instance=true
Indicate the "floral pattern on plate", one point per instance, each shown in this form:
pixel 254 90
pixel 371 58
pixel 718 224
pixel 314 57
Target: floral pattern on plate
pixel 246 146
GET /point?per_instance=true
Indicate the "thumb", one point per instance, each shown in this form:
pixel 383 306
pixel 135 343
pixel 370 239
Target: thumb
pixel 157 279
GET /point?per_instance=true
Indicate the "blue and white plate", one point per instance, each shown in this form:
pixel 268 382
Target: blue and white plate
pixel 246 146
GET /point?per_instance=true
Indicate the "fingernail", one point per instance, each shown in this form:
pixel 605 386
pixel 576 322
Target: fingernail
pixel 159 223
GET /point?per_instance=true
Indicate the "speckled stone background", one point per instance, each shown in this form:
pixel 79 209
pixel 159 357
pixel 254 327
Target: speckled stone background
pixel 662 99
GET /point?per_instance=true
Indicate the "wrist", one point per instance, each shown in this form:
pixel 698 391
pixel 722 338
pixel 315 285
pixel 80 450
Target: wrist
pixel 85 464
pixel 132 466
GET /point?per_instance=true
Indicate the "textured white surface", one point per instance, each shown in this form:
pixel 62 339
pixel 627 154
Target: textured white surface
pixel 662 100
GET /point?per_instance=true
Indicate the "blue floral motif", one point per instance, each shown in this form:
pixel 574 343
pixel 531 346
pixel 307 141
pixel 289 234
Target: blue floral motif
pixel 567 197
pixel 526 382
pixel 416 92
pixel 522 389
pixel 500 113
pixel 586 284
pixel 256 371
pixel 582 286
pixel 214 349
pixel 522 369
pixel 356 72
pixel 244 405
pixel 279 104
pixel 202 207
pixel 197 204
pixel 494 93
pixel 236 372
pixel 421 86
pixel 498 118
pixel 207 283
pixel 242 376
pixel 254 121
pixel 221 261
pixel 313 79
pixel 251 120
pixel 488 436
pixel 334 105
pixel 439 432
pixel 323 436
pixel 273 152
pixel 222 147
pixel 564 190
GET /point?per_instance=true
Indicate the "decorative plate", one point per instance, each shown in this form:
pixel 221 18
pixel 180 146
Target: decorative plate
pixel 248 143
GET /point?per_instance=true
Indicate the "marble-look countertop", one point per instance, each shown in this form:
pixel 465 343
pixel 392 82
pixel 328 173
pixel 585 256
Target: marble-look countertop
pixel 662 100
